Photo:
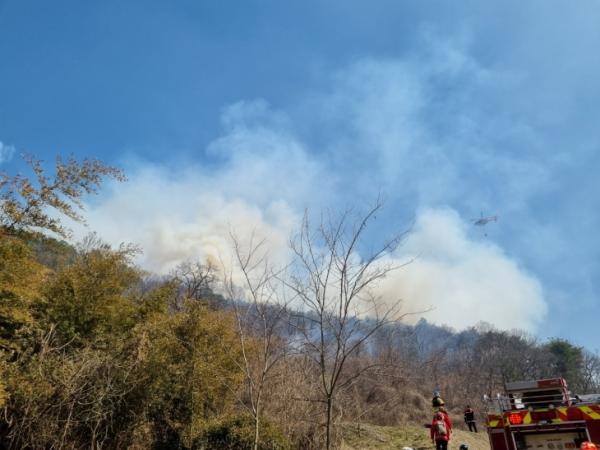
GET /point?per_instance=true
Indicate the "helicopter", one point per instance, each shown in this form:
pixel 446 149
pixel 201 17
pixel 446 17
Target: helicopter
pixel 482 221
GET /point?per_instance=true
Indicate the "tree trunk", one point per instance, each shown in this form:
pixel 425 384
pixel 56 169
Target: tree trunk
pixel 328 423
pixel 256 425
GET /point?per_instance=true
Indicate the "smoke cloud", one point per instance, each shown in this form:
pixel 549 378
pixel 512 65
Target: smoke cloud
pixel 462 278
pixel 370 133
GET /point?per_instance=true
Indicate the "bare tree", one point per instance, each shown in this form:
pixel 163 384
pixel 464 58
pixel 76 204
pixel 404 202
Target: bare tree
pixel 591 372
pixel 336 288
pixel 260 307
pixel 195 280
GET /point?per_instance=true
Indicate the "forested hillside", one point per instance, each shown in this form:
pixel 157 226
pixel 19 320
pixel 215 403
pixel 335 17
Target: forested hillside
pixel 96 353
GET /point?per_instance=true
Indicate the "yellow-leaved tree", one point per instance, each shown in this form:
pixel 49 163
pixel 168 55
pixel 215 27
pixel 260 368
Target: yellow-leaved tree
pixel 27 203
pixel 29 207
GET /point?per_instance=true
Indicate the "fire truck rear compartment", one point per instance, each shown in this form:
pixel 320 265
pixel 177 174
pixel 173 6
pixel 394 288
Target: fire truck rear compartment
pixel 566 440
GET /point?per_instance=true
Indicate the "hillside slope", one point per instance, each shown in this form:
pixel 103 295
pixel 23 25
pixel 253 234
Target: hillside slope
pixel 371 437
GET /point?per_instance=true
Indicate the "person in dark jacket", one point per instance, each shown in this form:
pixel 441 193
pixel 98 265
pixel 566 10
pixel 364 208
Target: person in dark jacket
pixel 470 419
pixel 441 430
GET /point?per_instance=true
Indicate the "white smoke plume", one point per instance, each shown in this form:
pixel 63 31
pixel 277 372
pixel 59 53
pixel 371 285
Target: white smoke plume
pixel 455 279
pixel 174 221
pixel 265 170
pixel 462 279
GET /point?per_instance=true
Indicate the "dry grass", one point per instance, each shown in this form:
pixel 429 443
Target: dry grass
pixel 372 437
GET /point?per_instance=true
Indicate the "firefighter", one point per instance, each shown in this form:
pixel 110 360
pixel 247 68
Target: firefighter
pixel 441 430
pixel 470 418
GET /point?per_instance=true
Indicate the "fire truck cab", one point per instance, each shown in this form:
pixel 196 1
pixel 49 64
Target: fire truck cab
pixel 541 415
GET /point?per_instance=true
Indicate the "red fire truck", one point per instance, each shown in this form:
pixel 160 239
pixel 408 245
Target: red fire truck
pixel 542 415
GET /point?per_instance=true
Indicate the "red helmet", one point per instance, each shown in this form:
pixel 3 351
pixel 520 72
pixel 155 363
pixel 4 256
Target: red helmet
pixel 587 445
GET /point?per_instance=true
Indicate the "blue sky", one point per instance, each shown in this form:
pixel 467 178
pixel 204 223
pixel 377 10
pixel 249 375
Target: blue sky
pixel 244 113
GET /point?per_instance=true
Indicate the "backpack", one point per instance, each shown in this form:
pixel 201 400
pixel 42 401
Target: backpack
pixel 440 426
